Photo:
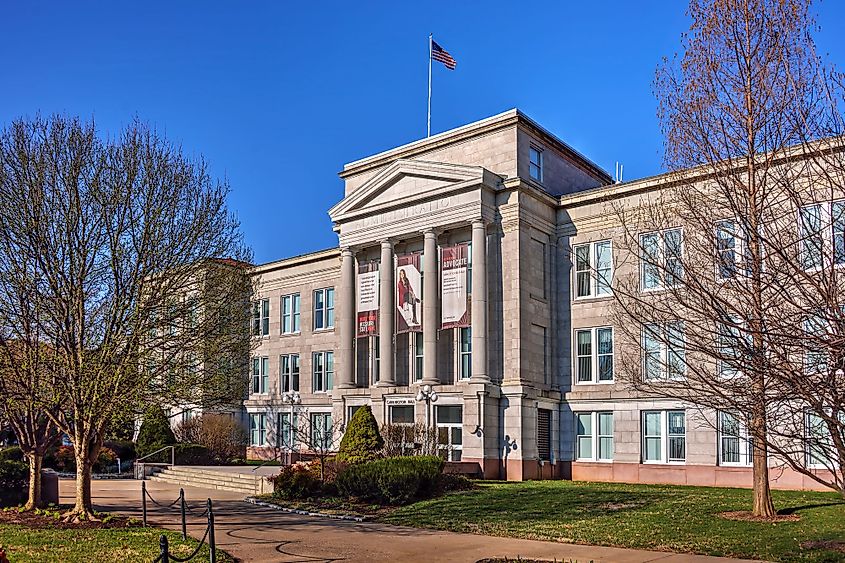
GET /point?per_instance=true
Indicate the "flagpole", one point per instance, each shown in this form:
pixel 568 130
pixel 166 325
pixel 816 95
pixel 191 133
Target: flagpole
pixel 428 122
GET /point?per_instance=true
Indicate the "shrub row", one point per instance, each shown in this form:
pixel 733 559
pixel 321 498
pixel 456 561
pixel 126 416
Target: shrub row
pixel 395 480
pixel 14 480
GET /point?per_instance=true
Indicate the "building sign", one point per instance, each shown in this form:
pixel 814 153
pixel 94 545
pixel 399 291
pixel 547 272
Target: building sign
pixel 454 262
pixel 368 292
pixel 399 401
pixel 408 293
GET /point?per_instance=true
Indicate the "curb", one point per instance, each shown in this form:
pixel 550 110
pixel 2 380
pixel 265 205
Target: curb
pixel 346 517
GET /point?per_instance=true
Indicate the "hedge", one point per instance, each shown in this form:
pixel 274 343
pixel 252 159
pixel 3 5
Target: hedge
pixel 11 453
pixel 391 481
pixel 14 481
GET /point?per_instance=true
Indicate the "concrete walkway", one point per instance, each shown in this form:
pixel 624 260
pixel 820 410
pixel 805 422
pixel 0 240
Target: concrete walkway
pixel 252 533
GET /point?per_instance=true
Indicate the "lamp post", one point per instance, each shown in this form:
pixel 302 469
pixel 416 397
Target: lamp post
pixel 291 398
pixel 428 395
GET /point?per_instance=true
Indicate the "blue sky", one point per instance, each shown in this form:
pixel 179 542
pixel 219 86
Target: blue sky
pixel 278 96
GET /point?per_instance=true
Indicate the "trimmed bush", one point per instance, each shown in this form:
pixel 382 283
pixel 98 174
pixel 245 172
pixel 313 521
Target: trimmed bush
pixel 192 454
pixel 14 481
pixel 12 453
pixel 155 432
pixel 123 449
pixel 391 481
pixel 296 482
pixel 362 441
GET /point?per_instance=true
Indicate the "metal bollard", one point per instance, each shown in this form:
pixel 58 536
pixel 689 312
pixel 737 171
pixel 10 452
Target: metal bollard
pixel 212 544
pixel 165 552
pixel 184 523
pixel 144 502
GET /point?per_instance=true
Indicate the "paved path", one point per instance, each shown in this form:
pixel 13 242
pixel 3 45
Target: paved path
pixel 252 533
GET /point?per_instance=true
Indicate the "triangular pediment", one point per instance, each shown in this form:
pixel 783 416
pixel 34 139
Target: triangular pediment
pixel 404 182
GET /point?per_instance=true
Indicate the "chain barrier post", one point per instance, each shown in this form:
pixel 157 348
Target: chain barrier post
pixel 212 545
pixel 144 502
pixel 184 524
pixel 165 551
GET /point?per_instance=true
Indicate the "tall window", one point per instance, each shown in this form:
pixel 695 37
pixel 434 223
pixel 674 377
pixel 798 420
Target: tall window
pixel 466 353
pixel 733 256
pixel 816 329
pixel 664 350
pixel 821 229
pixel 323 364
pixel 594 355
pixel 290 313
pixel 261 317
pixel 734 445
pixel 286 431
pixel 402 418
pixel 664 436
pixel 661 265
pixel 594 435
pixel 818 441
pixel 449 420
pixel 535 163
pixel 321 431
pixel 593 269
pixel 289 372
pixel 261 375
pixel 418 355
pixel 257 429
pixel 324 308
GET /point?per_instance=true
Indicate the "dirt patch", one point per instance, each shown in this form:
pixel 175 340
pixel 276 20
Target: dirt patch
pixel 832 545
pixel 746 516
pixel 52 519
pixel 613 506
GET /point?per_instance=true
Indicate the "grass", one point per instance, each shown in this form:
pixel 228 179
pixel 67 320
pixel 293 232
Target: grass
pixel 662 518
pixel 41 536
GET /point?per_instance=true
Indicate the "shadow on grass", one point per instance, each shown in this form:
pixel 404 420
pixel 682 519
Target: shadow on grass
pixel 794 509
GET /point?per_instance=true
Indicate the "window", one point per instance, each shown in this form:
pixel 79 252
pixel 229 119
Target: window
pixel 376 359
pixel 734 445
pixel 289 372
pixel 594 436
pixel 466 353
pixel 324 309
pixel 821 229
pixel 734 344
pixel 351 412
pixel 261 375
pixel 593 269
pixel 257 430
pixel 594 355
pixel 661 265
pixel 544 434
pixel 402 417
pixel 664 436
pixel 287 432
pixel 321 431
pixel 449 432
pixel 664 351
pixel 323 364
pixel 733 257
pixel 816 329
pixel 818 441
pixel 418 355
pixel 535 163
pixel 290 313
pixel 261 317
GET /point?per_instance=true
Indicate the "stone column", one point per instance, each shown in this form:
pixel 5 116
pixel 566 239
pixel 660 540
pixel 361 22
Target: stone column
pixel 387 309
pixel 479 302
pixel 346 336
pixel 431 300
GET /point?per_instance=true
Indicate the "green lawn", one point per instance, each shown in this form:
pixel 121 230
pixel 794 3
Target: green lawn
pixel 665 518
pixel 104 545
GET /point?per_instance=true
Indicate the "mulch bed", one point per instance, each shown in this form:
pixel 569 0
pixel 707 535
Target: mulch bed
pixel 53 520
pixel 832 545
pixel 746 516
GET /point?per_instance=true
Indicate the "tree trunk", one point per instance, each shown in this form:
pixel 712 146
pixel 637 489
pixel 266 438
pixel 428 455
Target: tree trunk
pixel 763 505
pixel 83 508
pixel 34 500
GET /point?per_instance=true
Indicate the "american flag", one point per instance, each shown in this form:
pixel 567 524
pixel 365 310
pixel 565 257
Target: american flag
pixel 438 53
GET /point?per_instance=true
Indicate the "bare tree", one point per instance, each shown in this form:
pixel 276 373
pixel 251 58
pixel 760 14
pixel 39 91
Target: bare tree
pixel 141 272
pixel 717 289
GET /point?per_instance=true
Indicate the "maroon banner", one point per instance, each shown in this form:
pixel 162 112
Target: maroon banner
pixel 368 295
pixel 454 294
pixel 408 293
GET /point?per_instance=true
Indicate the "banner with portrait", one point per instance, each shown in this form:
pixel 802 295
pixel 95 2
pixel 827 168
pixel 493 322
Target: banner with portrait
pixel 454 297
pixel 368 295
pixel 408 293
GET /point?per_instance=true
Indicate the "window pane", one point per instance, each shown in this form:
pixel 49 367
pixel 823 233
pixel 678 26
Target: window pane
pixel 673 249
pixel 652 449
pixel 582 269
pixel 726 249
pixel 677 449
pixel 652 424
pixel 677 422
pixel 604 336
pixel 449 414
pixel 584 423
pixel 604 266
pixel 606 447
pixel 837 211
pixel 585 355
pixel 585 447
pixel 810 219
pixel 402 414
pixel 651 254
pixel 605 423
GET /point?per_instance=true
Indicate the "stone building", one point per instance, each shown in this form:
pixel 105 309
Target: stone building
pixel 479 226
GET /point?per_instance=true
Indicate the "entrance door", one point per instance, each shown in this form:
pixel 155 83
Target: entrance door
pixel 450 437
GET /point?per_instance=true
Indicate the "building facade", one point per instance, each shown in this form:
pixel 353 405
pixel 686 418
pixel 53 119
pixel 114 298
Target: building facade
pixel 457 270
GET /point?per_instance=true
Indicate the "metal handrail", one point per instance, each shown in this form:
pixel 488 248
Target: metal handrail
pixel 172 454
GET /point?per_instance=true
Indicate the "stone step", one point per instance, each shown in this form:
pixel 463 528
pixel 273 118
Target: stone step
pixel 211 474
pixel 205 484
pixel 211 479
